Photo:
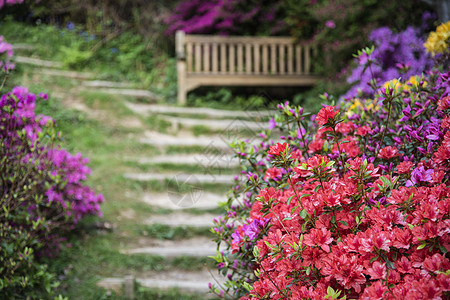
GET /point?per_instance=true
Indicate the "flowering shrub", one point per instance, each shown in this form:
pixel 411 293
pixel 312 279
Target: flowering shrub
pixel 438 44
pixel 42 194
pixel 438 41
pixel 226 17
pixel 9 2
pixel 340 28
pixel 394 55
pixel 6 52
pixel 353 204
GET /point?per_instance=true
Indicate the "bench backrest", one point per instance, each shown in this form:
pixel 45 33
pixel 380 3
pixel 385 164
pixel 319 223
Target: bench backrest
pixel 208 54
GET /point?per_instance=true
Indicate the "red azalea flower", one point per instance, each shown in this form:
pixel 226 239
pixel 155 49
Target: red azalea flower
pixel 377 291
pixel 377 271
pixel 348 146
pixel 445 123
pixel 320 237
pixel 345 127
pixel 297 154
pixel 346 270
pixel 273 173
pixel 404 167
pixel 277 148
pixel 316 145
pixel 404 266
pixel 316 161
pixel 401 238
pixel 436 263
pixel 388 152
pixel 325 114
pixel 444 103
pixel 363 131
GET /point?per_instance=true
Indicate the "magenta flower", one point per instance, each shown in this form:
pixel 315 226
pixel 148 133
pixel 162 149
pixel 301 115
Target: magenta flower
pixel 272 124
pixel 419 175
pixel 330 24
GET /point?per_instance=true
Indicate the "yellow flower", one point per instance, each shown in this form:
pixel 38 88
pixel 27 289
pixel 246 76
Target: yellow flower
pixel 355 104
pixel 395 85
pixel 371 105
pixel 438 41
pixel 415 81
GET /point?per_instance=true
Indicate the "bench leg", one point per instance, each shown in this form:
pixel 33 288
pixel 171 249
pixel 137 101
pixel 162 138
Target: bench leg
pixel 181 74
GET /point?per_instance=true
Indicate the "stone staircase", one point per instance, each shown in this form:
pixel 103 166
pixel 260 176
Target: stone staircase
pixel 196 198
pixel 212 152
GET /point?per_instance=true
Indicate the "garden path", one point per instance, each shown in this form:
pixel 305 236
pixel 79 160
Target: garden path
pixel 186 179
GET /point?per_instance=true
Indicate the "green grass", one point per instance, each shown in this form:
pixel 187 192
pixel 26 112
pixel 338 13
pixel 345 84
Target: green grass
pixel 157 123
pixel 174 294
pixel 108 102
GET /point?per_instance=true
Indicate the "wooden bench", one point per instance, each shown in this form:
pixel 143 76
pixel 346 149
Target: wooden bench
pixel 208 60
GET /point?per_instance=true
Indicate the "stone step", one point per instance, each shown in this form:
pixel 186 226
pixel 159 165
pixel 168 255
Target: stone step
pixel 181 219
pixel 182 178
pixel 209 112
pixel 106 84
pixel 22 47
pixel 63 73
pixel 197 199
pixel 176 251
pixel 135 93
pixel 194 282
pixel 206 160
pixel 37 62
pixel 197 247
pixel 226 124
pixel 207 143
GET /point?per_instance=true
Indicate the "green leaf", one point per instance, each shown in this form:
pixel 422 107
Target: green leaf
pixel 256 251
pixel 289 200
pixel 303 213
pixel 308 271
pixel 390 265
pixel 385 181
pixel 247 286
pixel 421 246
pixel 343 223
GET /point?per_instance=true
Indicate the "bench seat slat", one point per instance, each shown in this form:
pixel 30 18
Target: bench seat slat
pixel 248 58
pixel 206 59
pixel 215 58
pixel 189 57
pixel 223 58
pixel 231 58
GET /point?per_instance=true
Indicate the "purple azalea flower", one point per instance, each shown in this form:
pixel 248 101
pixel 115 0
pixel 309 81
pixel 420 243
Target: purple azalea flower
pixel 272 124
pixel 330 24
pixel 419 175
pixel 251 230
